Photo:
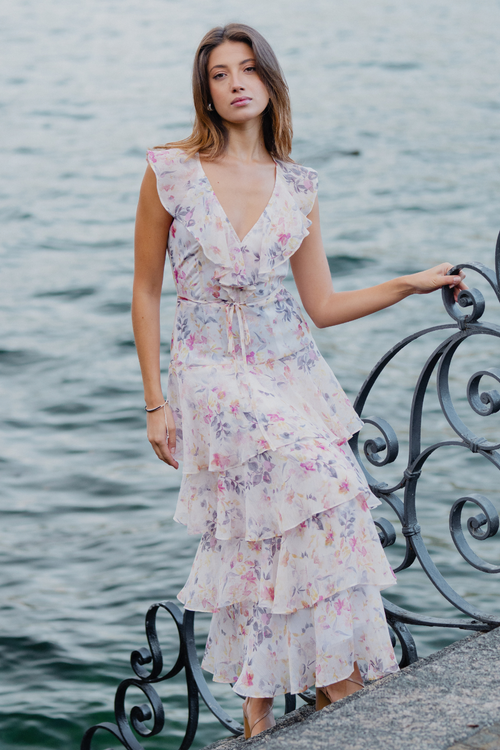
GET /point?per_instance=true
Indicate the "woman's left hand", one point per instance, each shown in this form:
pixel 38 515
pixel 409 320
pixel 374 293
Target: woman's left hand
pixel 435 278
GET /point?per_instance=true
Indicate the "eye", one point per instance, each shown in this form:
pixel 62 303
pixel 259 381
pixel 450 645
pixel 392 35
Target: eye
pixel 250 68
pixel 218 76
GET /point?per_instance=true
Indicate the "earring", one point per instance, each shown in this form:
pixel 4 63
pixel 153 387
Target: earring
pixel 210 108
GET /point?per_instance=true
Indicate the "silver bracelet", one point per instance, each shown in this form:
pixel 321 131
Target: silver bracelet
pixel 156 407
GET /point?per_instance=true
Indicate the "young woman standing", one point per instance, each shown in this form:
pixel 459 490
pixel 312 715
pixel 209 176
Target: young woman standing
pixel 289 562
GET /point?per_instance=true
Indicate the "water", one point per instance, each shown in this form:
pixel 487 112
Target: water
pixel 87 541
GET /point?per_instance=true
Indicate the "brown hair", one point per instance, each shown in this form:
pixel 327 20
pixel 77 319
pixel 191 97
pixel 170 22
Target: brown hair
pixel 209 135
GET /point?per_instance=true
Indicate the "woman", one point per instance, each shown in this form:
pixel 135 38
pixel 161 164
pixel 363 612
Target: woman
pixel 289 562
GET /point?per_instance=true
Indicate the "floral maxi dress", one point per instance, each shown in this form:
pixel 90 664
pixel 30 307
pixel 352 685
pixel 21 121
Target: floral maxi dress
pixel 289 562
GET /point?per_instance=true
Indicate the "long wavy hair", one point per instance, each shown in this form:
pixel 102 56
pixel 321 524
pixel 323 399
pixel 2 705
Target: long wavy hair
pixel 209 136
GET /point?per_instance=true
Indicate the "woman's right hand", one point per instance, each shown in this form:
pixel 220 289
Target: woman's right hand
pixel 163 443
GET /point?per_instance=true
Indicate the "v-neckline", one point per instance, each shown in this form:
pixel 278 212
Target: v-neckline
pixel 209 184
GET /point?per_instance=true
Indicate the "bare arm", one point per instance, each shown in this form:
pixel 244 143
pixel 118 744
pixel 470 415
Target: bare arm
pixel 326 307
pixel 151 236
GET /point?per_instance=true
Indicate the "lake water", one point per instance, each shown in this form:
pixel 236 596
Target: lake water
pixel 86 540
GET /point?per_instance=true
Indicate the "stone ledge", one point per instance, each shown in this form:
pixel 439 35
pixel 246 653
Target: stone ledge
pixel 448 701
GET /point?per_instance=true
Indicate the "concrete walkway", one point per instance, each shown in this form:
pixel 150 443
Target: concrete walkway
pixel 448 701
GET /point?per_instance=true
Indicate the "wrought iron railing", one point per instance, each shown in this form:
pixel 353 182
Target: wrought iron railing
pixel 466 314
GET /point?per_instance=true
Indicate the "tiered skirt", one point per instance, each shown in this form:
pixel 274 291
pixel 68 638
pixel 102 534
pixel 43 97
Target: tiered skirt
pixel 289 563
pixel 295 595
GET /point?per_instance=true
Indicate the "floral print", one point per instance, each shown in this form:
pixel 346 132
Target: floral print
pixel 289 560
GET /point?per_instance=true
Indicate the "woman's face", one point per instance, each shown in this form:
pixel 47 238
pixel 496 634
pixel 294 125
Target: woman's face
pixel 237 92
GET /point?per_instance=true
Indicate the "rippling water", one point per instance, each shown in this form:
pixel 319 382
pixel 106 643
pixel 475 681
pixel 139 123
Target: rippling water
pixel 87 541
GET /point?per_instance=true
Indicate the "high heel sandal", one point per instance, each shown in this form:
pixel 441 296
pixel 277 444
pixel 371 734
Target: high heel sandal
pixel 323 699
pixel 249 729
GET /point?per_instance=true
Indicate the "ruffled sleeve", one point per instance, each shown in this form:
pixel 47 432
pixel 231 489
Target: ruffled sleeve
pixel 302 183
pixel 288 222
pixel 174 175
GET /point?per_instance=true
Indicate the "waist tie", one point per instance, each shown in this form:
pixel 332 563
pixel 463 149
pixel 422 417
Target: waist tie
pixel 231 308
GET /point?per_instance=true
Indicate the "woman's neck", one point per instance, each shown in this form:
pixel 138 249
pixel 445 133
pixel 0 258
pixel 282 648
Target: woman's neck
pixel 245 143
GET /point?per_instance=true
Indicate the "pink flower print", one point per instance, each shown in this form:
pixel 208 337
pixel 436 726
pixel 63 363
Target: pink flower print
pixel 307 465
pixel 275 417
pixel 249 576
pixel 339 606
pixel 353 542
pixel 152 156
pixel 190 341
pixel 173 230
pixel 363 551
pixel 268 594
pixel 283 238
pixel 247 678
pixel 308 185
pixel 221 394
pixel 221 461
pixel 344 486
pixel 234 406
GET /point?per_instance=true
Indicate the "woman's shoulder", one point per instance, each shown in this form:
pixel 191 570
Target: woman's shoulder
pixel 169 157
pixel 301 179
pixel 173 164
pixel 302 182
pixel 175 172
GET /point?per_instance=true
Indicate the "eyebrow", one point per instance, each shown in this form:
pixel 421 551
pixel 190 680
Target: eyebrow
pixel 249 59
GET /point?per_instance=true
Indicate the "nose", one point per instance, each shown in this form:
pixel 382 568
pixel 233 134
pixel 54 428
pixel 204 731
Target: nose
pixel 236 84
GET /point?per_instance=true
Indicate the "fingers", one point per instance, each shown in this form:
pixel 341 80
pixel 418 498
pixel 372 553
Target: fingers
pixel 171 433
pixel 162 442
pixel 456 280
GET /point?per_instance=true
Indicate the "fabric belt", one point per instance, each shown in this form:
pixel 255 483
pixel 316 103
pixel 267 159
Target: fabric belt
pixel 235 307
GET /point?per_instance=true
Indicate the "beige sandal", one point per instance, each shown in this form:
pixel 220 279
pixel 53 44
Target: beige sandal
pixel 249 729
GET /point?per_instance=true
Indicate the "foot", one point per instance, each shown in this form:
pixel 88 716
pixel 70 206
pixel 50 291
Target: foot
pixel 338 690
pixel 258 715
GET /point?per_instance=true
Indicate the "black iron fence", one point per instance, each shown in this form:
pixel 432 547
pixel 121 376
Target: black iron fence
pixel 466 315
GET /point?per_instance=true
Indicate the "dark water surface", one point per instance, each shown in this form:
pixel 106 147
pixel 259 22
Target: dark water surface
pixel 86 540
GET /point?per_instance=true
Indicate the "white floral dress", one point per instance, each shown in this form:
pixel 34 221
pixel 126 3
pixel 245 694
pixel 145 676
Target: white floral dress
pixel 289 562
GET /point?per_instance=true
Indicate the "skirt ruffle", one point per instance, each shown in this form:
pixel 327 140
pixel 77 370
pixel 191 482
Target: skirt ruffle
pixel 289 562
pixel 273 492
pixel 266 654
pixel 234 413
pixel 321 557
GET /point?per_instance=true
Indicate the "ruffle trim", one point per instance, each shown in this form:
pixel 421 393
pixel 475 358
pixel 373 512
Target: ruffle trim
pixel 272 492
pixel 264 654
pixel 186 193
pixel 321 557
pixel 229 417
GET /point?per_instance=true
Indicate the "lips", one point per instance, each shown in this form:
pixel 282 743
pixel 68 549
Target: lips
pixel 240 101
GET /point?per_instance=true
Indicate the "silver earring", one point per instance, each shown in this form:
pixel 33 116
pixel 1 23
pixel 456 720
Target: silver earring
pixel 210 108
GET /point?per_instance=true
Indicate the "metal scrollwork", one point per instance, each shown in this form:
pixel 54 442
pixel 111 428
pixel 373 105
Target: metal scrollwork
pixel 482 526
pixel 487 402
pixel 187 660
pixel 389 443
pixel 466 314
